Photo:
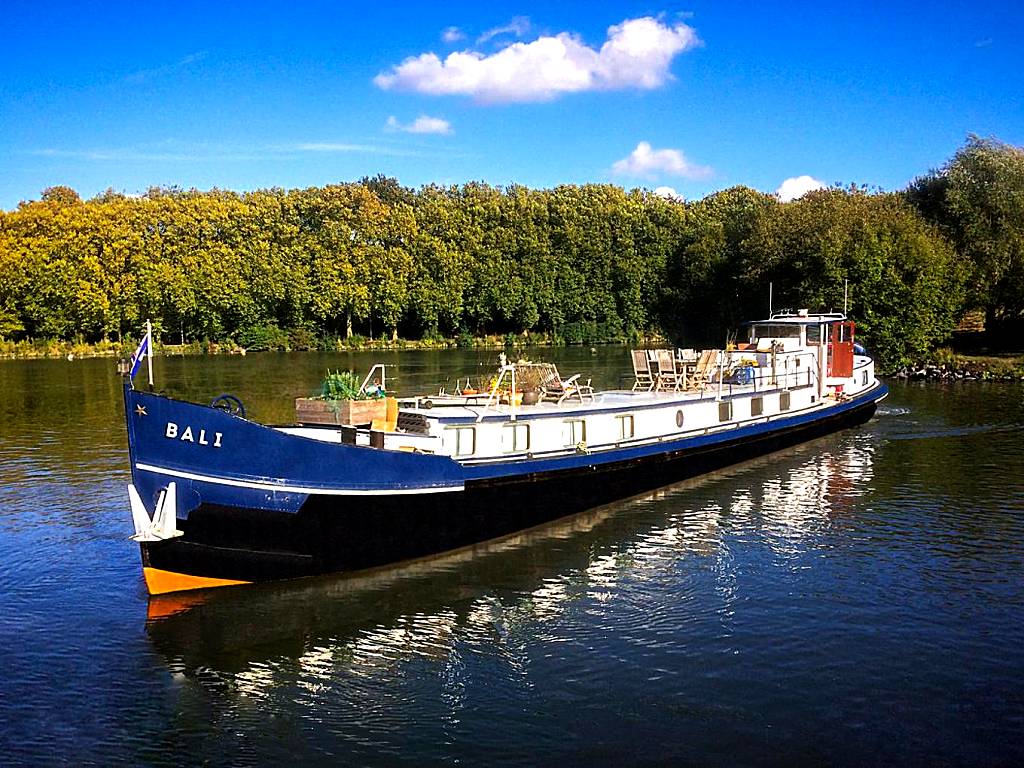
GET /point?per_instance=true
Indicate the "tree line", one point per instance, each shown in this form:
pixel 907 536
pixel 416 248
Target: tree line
pixel 291 268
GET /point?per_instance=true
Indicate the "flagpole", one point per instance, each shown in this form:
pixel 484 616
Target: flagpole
pixel 149 352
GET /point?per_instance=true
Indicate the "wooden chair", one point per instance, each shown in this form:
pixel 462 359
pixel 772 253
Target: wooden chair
pixel 668 375
pixel 704 369
pixel 643 378
pixel 550 382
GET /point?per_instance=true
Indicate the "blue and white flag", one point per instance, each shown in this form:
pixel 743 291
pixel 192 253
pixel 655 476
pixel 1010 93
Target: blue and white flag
pixel 140 352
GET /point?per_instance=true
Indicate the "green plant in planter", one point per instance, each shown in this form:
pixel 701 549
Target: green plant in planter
pixel 341 385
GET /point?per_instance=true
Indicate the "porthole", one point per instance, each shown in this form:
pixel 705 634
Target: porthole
pixel 679 419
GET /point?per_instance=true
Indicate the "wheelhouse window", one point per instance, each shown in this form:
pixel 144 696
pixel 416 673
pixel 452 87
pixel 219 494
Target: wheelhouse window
pixel 515 437
pixel 465 440
pixel 574 432
pixel 774 331
pixel 625 426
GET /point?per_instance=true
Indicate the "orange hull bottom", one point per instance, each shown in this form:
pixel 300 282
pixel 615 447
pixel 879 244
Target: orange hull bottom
pixel 160 582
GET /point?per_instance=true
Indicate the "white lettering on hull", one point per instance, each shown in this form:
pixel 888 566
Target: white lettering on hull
pixel 173 432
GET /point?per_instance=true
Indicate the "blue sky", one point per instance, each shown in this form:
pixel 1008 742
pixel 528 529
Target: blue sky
pixel 693 97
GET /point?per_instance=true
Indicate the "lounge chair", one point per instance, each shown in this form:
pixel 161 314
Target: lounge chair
pixel 559 389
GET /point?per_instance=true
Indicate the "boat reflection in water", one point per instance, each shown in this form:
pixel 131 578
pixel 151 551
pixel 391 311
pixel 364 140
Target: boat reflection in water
pixel 541 585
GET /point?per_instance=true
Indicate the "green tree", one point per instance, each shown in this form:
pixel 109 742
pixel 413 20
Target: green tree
pixel 978 199
pixel 904 285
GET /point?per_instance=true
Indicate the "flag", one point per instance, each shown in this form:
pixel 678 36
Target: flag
pixel 141 351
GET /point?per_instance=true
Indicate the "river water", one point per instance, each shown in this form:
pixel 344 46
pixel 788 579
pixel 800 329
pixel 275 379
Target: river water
pixel 856 600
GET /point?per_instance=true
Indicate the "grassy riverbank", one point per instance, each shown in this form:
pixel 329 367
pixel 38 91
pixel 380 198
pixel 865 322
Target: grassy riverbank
pixel 946 364
pixel 943 363
pixel 49 349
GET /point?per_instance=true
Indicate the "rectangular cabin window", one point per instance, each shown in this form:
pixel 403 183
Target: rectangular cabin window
pixel 775 331
pixel 465 440
pixel 515 438
pixel 784 401
pixel 725 410
pixel 574 432
pixel 864 379
pixel 756 406
pixel 625 426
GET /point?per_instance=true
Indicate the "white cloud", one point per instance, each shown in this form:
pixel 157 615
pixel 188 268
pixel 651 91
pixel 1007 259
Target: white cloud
pixel 422 124
pixel 178 152
pixel 519 26
pixel 145 154
pixel 637 54
pixel 797 186
pixel 183 63
pixel 669 194
pixel 452 34
pixel 647 163
pixel 340 148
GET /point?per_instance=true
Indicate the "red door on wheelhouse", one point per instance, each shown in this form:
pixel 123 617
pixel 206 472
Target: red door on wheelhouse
pixel 840 350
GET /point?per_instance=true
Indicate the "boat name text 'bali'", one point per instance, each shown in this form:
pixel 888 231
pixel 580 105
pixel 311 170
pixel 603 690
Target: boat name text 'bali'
pixel 187 436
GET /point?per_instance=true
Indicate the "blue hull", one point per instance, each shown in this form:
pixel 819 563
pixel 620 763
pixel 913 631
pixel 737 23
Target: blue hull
pixel 255 504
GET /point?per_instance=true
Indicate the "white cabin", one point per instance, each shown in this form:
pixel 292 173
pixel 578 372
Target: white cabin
pixel 790 363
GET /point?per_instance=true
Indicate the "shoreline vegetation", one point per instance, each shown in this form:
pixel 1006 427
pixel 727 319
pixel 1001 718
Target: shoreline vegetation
pixel 375 265
pixel 943 364
pixel 72 350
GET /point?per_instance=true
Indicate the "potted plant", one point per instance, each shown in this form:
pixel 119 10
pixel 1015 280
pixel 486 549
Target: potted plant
pixel 342 400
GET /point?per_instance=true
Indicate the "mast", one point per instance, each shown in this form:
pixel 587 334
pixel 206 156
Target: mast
pixel 149 353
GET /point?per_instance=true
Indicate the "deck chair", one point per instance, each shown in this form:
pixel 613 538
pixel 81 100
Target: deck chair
pixel 573 387
pixel 643 378
pixel 706 366
pixel 668 376
pixel 553 387
pixel 560 390
pixel 550 381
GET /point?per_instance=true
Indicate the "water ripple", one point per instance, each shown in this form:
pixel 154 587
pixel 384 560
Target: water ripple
pixel 856 600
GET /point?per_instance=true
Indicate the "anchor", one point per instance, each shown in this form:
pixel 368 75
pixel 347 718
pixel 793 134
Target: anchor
pixel 164 522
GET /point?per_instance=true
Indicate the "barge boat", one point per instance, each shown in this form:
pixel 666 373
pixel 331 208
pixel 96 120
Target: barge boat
pixel 218 499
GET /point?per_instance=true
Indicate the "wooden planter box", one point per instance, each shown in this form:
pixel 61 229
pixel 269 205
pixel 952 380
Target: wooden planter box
pixel 356 412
